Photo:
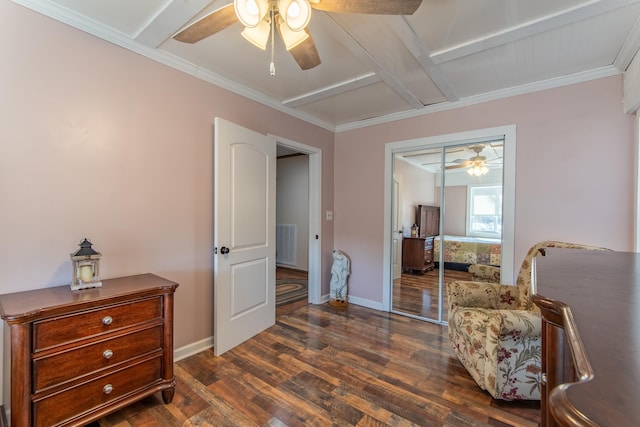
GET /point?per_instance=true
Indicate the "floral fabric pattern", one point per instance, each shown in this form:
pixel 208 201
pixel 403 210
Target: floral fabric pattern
pixel 484 273
pixel 495 329
pixel 467 250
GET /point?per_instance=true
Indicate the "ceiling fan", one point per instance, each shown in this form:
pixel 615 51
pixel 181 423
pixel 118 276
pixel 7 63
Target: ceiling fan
pixel 477 165
pixel 290 17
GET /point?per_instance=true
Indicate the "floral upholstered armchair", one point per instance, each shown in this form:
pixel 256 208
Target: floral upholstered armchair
pixel 494 330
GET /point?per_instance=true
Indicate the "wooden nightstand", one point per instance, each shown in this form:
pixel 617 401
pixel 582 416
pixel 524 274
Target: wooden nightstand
pixel 79 355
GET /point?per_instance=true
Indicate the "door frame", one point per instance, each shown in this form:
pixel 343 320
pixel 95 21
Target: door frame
pixel 315 214
pixel 396 257
pixel 508 188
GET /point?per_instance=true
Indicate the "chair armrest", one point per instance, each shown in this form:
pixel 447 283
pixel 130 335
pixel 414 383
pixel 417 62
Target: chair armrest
pixel 510 324
pixel 513 354
pixel 484 273
pixel 481 294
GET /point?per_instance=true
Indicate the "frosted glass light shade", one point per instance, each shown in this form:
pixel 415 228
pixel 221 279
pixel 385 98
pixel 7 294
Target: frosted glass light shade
pixel 258 35
pixel 251 12
pixel 296 13
pixel 290 38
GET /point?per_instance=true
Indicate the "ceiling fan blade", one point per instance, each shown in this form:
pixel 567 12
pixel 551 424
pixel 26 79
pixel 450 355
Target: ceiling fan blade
pixel 374 7
pixel 306 54
pixel 208 25
pixel 464 165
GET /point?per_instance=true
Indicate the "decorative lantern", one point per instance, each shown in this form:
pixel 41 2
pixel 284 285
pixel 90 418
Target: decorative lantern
pixel 86 267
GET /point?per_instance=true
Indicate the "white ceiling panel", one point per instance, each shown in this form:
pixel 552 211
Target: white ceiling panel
pixel 390 56
pixel 127 16
pixel 443 24
pixel 363 103
pixel 376 68
pixel 562 51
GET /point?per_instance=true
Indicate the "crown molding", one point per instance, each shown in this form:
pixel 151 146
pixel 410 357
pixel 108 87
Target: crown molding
pixel 486 97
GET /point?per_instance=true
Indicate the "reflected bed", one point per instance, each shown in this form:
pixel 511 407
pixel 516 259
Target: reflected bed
pixel 462 251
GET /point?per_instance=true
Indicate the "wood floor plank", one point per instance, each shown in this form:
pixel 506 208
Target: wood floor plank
pixel 374 414
pixel 241 398
pixel 290 408
pixel 218 411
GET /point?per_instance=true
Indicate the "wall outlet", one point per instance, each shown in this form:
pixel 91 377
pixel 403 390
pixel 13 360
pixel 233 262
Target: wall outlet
pixel 329 215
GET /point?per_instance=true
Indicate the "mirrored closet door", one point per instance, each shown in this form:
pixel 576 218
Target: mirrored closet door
pixel 447 221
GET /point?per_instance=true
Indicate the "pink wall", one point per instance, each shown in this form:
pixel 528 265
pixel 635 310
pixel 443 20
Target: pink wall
pixel 103 143
pixel 574 172
pixel 417 188
pixel 455 216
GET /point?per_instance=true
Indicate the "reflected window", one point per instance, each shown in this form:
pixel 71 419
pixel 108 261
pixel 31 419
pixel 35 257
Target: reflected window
pixel 485 211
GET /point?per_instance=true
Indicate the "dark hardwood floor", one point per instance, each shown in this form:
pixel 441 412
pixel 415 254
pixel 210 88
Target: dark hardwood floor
pixel 418 294
pixel 322 366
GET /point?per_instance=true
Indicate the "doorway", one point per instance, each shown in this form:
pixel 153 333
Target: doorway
pixel 444 215
pixel 313 224
pixel 292 229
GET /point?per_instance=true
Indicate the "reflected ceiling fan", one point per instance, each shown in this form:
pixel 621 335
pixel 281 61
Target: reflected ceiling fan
pixel 477 165
pixel 290 17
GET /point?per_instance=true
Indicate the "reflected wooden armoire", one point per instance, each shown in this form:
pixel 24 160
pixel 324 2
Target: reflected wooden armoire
pixel 417 252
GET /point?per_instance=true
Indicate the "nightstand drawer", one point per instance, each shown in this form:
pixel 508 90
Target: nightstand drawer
pixel 62 330
pixel 428 243
pixel 61 367
pixel 59 407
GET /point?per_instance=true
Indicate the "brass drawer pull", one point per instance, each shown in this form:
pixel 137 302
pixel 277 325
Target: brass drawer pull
pixel 107 320
pixel 107 354
pixel 107 389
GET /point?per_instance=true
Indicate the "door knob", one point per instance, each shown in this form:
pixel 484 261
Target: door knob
pixel 224 250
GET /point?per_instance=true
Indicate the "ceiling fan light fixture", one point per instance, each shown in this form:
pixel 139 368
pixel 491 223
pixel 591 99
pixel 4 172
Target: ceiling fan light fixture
pixel 295 13
pixel 478 170
pixel 290 38
pixel 251 12
pixel 258 35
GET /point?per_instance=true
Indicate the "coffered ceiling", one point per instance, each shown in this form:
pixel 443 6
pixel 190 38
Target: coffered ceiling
pixel 377 68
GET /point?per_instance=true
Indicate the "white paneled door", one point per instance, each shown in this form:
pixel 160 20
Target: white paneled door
pixel 244 234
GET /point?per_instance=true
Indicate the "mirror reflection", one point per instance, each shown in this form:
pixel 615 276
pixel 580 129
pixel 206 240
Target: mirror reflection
pixel 447 222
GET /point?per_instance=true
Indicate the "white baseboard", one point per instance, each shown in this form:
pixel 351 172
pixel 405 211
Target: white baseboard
pixel 191 349
pixel 375 305
pixel 358 301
